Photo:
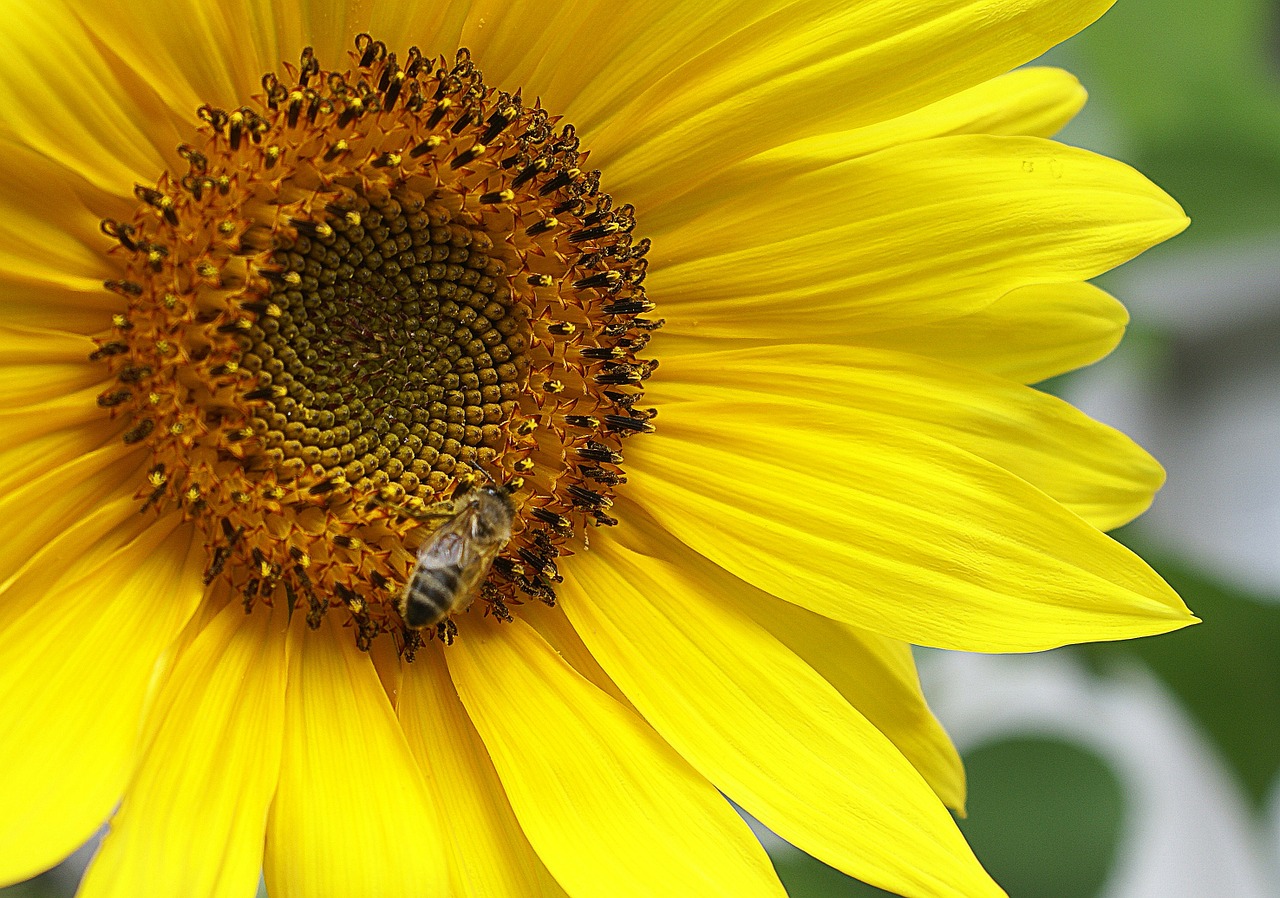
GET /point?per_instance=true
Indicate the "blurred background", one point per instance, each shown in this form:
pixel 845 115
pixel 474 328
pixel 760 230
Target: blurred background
pixel 1146 769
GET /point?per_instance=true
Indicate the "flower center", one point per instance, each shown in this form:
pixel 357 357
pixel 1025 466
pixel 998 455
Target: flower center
pixel 369 292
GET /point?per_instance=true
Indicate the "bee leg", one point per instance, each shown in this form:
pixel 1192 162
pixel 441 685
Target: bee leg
pixel 447 630
pixel 428 512
pixel 500 610
pixel 412 642
pixel 436 510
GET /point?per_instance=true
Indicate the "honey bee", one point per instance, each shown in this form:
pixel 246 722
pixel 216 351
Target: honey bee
pixel 454 561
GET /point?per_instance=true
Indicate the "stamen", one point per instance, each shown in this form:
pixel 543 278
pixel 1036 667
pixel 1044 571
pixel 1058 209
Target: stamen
pixel 426 291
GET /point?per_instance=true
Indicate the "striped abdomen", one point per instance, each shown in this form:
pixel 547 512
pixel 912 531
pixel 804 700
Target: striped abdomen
pixel 432 594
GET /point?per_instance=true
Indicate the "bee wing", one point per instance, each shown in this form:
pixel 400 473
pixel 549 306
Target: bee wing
pixel 449 544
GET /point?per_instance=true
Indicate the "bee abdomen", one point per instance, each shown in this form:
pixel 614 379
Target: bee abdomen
pixel 431 595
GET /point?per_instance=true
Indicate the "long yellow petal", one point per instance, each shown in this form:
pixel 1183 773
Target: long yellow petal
pixel 74 672
pixel 1092 469
pixel 85 112
pixel 239 41
pixel 51 251
pixel 890 530
pixel 489 854
pixel 1033 102
pixel 926 231
pixel 772 73
pixel 24 383
pixel 1028 335
pixel 612 810
pixel 761 724
pixel 37 511
pixel 77 411
pixel 876 675
pixel 555 628
pixel 352 815
pixel 46 444
pixel 194 815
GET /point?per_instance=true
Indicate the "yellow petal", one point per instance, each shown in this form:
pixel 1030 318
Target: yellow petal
pixel 52 261
pixel 555 628
pixel 77 411
pixel 194 815
pixel 72 101
pixel 79 544
pixel 1095 471
pixel 217 53
pixel 38 365
pixel 761 724
pixel 351 815
pixel 612 810
pixel 877 676
pixel 74 672
pixel 890 530
pixel 769 73
pixel 1032 101
pixel 35 512
pixel 917 233
pixel 489 855
pixel 44 441
pixel 1028 335
pixel 37 345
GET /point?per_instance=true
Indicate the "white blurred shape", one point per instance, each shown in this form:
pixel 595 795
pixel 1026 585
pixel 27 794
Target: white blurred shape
pixel 1207 290
pixel 1187 831
pixel 1208 407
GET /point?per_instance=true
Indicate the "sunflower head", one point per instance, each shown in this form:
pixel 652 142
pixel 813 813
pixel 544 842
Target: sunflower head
pixel 369 286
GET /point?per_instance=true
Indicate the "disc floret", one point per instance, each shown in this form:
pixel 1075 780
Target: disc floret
pixel 367 287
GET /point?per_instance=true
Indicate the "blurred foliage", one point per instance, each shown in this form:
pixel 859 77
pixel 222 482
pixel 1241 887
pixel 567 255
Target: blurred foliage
pixel 1225 672
pixel 1044 817
pixel 44 886
pixel 1188 93
pixel 805 877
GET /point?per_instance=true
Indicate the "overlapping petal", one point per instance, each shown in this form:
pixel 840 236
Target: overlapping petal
pixel 917 233
pixel 352 814
pixel 51 261
pixel 1032 102
pixel 1028 335
pixel 43 506
pixel 38 364
pixel 610 808
pixel 876 675
pixel 874 524
pixel 79 644
pixel 489 854
pixel 761 724
pixel 767 74
pixel 50 434
pixel 72 99
pixel 1090 468
pixel 195 828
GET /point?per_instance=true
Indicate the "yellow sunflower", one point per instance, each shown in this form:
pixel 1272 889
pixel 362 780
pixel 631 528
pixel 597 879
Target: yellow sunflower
pixel 304 302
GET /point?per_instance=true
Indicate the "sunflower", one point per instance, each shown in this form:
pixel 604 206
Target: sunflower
pixel 352 530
